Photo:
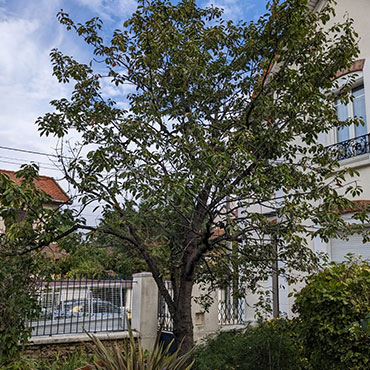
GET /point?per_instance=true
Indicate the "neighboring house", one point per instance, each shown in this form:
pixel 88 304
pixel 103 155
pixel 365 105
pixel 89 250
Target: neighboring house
pixel 351 144
pixel 57 198
pixel 46 184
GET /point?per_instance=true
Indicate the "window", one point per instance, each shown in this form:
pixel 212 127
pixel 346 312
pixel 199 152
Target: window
pixel 352 140
pixel 354 109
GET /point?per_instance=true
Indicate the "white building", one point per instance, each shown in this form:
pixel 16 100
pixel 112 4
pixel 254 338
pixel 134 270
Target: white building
pixel 352 142
pixel 352 145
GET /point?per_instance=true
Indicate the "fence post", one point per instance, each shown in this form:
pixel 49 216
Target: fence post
pixel 145 308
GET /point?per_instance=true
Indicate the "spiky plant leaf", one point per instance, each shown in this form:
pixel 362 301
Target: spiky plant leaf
pixel 134 357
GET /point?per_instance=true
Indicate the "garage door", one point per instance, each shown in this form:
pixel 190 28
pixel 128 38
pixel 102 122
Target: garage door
pixel 354 245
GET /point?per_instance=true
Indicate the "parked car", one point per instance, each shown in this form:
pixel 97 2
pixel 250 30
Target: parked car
pixel 86 307
pixel 105 307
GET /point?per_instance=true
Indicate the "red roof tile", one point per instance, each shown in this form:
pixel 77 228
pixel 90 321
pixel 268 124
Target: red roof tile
pixel 46 184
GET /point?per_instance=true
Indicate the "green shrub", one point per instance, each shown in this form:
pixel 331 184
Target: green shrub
pixel 18 303
pixel 271 345
pixel 334 312
pixel 134 357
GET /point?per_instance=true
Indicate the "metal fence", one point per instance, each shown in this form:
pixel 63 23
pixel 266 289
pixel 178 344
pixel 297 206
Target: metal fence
pixel 231 310
pixel 350 148
pixel 164 317
pixel 77 305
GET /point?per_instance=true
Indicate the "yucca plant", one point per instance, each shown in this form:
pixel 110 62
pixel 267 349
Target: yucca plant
pixel 134 357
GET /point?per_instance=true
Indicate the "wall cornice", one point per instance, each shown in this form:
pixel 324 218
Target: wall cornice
pixel 312 4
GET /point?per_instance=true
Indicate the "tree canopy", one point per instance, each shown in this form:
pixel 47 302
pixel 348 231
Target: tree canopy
pixel 213 141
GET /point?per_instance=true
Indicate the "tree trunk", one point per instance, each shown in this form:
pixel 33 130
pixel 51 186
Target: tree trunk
pixel 182 321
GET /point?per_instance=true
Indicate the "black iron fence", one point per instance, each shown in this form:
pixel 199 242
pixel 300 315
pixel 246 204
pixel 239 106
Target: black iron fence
pixel 164 317
pixel 350 148
pixel 231 310
pixel 77 305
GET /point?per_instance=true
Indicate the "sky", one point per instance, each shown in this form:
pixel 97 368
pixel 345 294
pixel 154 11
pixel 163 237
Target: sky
pixel 28 31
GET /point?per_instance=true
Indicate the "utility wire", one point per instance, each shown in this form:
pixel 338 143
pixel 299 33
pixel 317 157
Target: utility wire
pixel 10 160
pixel 17 163
pixel 24 160
pixel 33 152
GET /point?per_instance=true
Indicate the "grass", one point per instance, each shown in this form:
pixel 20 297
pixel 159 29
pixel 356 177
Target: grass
pixel 74 361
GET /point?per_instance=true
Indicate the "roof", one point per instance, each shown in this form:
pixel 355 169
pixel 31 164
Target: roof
pixel 46 184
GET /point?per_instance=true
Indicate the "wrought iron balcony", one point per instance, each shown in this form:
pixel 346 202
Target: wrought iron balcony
pixel 350 148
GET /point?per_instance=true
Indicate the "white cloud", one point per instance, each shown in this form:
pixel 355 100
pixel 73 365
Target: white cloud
pixel 109 90
pixel 26 81
pixel 28 33
pixel 108 9
pixel 17 50
pixel 233 9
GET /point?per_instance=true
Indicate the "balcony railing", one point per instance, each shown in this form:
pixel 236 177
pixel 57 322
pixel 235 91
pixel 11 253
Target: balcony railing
pixel 350 148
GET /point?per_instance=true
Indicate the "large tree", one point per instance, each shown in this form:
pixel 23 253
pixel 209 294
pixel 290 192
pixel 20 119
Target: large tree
pixel 213 142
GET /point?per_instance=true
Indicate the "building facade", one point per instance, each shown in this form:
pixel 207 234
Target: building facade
pixel 352 143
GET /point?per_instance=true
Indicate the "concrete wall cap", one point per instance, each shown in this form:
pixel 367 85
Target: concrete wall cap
pixel 142 274
pixel 78 338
